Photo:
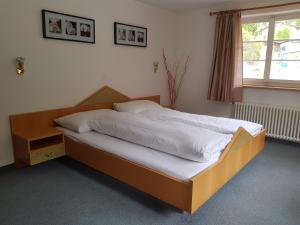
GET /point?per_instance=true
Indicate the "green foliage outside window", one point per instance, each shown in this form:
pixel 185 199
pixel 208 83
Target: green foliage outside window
pixel 251 32
pixel 283 34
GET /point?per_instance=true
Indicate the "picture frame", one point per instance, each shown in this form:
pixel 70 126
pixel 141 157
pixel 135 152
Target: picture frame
pixel 68 27
pixel 125 34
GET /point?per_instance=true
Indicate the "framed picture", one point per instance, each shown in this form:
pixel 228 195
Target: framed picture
pixel 68 27
pixel 125 34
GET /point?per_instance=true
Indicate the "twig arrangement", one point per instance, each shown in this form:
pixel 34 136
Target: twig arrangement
pixel 175 78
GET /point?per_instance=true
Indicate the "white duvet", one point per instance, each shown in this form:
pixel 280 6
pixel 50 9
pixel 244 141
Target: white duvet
pixel 217 124
pixel 189 142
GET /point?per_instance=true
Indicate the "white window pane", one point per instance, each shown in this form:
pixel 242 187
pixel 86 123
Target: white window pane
pixel 253 69
pixel 287 29
pixel 285 70
pixel 286 50
pixel 255 31
pixel 254 51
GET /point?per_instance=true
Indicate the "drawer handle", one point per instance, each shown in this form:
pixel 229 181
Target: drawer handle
pixel 48 155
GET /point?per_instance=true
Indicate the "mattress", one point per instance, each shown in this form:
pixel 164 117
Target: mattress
pixel 174 166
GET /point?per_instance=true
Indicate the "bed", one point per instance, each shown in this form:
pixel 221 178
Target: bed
pixel 184 190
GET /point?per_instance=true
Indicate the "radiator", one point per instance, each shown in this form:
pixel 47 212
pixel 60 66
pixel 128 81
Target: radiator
pixel 280 122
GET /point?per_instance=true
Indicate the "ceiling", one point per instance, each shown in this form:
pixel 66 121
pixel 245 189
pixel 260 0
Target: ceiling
pixel 177 5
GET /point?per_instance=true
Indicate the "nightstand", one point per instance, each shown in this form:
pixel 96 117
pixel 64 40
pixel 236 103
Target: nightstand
pixel 36 146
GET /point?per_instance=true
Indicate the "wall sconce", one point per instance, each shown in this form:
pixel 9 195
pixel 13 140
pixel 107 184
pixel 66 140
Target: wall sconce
pixel 20 66
pixel 155 66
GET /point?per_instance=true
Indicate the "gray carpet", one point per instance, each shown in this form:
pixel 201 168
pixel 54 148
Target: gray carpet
pixel 266 192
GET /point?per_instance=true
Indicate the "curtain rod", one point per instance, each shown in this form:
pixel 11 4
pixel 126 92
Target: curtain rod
pixel 254 8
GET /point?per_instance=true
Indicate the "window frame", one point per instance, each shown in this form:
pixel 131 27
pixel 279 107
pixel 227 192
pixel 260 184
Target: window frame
pixel 266 82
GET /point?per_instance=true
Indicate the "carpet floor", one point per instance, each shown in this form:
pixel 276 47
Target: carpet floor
pixel 64 192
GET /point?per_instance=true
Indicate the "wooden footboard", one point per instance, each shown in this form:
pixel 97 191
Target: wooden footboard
pixel 186 195
pixel 238 153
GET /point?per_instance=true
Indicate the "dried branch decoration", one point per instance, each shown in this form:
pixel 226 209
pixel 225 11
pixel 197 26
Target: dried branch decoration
pixel 175 78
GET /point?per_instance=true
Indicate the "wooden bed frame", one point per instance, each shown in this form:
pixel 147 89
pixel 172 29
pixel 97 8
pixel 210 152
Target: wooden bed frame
pixel 188 195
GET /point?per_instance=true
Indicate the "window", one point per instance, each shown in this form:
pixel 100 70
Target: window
pixel 271 51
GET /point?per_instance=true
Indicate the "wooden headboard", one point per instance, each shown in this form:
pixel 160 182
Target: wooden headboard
pixel 102 99
pixel 104 95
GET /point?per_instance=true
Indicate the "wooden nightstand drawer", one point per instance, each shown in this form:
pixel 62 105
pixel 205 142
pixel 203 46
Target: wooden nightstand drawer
pixel 47 153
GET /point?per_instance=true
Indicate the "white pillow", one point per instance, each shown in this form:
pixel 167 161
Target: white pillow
pixel 136 106
pixel 79 122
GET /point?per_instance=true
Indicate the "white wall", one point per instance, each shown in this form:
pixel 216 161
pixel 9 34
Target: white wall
pixel 61 73
pixel 195 37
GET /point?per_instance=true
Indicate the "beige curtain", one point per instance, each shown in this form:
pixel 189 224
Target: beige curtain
pixel 226 73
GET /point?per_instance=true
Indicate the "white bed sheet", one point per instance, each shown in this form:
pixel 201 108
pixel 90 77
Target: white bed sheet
pixel 179 168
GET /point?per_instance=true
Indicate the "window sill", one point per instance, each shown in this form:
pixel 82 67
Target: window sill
pixel 274 87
